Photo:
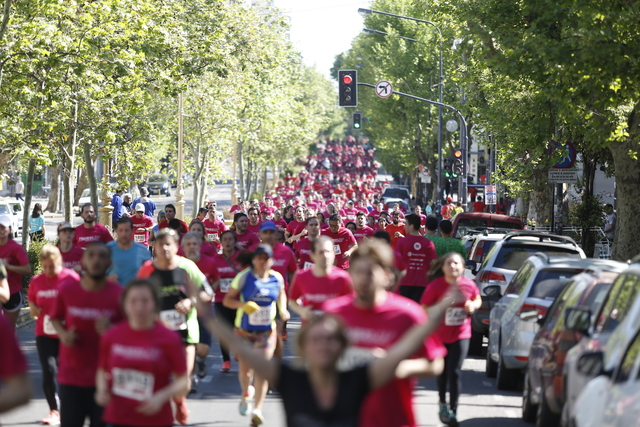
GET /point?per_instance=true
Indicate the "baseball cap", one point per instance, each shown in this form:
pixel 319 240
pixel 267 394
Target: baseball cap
pixel 65 226
pixel 263 249
pixel 449 199
pixel 5 221
pixel 268 225
pixel 140 207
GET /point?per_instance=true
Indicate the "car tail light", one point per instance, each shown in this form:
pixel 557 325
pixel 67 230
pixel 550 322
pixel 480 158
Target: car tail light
pixel 522 358
pixel 493 278
pixel 542 310
pixel 478 251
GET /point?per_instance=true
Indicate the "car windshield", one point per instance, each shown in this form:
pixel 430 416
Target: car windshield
pixel 396 193
pixel 157 178
pixel 597 296
pixel 4 209
pixel 85 192
pixel 504 224
pixel 549 282
pixel 513 256
pixel 466 224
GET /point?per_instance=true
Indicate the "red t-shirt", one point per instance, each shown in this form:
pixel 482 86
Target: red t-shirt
pixel 314 290
pixel 417 253
pixel 183 225
pixel 295 227
pixel 254 228
pixel 98 233
pixel 43 291
pixel 226 271
pixel 140 363
pixel 392 229
pixel 457 323
pixel 478 206
pixel 208 249
pixel 13 254
pixel 281 225
pixel 284 262
pixel 213 230
pixel 248 241
pixel 144 222
pixel 207 266
pixel 365 232
pixel 381 327
pixel 342 241
pixel 351 214
pixel 302 250
pixel 73 257
pixel 79 309
pixel 12 361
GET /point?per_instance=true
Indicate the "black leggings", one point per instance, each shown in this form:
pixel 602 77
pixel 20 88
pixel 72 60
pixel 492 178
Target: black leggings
pixel 76 404
pixel 229 315
pixel 48 354
pixel 456 353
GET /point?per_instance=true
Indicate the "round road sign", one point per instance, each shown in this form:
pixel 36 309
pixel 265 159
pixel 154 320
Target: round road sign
pixel 384 89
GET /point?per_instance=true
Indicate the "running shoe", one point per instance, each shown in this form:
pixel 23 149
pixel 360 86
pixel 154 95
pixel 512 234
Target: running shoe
pixel 246 403
pixel 194 384
pixel 257 418
pixel 285 334
pixel 182 412
pixel 53 419
pixel 453 421
pixel 201 367
pixel 444 413
pixel 226 366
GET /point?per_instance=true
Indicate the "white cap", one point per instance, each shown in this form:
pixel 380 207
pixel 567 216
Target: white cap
pixel 140 207
pixel 5 221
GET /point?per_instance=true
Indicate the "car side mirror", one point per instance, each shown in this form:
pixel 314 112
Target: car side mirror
pixel 592 364
pixel 578 319
pixel 471 265
pixel 493 291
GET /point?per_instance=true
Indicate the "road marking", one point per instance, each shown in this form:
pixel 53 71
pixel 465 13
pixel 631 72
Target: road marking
pixel 487 383
pixel 207 379
pixel 498 398
pixel 511 413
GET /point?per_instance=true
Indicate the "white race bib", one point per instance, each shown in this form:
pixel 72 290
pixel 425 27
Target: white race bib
pixel 138 238
pixel 173 320
pixel 351 217
pixel 132 384
pixel 262 317
pixel 455 316
pixel 336 249
pixel 307 265
pixel 354 357
pixel 225 285
pixel 48 326
pixel 212 236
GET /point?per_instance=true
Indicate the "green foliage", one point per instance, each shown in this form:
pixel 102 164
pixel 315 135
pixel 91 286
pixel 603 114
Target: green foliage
pixel 33 253
pixel 587 213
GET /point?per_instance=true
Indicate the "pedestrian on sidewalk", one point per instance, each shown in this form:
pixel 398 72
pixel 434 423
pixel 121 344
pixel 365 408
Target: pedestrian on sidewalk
pixel 19 189
pixel 36 224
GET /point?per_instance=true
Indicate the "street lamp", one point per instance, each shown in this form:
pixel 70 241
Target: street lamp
pixel 365 12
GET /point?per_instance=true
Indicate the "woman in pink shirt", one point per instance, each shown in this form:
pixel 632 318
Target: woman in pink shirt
pixel 455 332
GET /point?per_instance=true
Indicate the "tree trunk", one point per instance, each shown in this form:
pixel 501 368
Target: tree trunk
pixel 82 185
pixel 541 199
pixel 626 243
pixel 263 187
pixel 52 204
pixel 91 175
pixel 241 172
pixel 28 192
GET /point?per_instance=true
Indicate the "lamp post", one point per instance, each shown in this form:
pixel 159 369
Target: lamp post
pixel 365 12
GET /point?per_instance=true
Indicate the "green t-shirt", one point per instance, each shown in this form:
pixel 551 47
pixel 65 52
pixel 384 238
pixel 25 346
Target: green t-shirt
pixel 444 245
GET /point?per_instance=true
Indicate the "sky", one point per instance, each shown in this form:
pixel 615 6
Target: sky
pixel 323 29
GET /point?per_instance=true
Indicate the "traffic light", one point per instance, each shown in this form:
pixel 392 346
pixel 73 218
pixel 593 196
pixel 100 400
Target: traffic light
pixel 357 120
pixel 458 163
pixel 447 167
pixel 348 88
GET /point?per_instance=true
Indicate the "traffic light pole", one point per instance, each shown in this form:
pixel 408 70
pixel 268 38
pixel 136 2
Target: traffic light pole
pixel 463 136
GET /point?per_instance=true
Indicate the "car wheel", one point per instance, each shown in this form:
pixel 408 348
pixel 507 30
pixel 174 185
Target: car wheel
pixel 491 367
pixel 475 344
pixel 529 410
pixel 506 379
pixel 546 418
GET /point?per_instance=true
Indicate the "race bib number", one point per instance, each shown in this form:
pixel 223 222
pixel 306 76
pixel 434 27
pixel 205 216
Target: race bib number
pixel 138 238
pixel 262 317
pixel 173 320
pixel 351 217
pixel 225 285
pixel 354 357
pixel 455 316
pixel 132 384
pixel 336 249
pixel 212 236
pixel 48 326
pixel 307 265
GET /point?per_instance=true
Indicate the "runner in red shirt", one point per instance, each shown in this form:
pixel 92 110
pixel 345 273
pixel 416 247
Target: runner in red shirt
pixel 350 211
pixel 71 254
pixel 90 231
pixel 417 252
pixel 395 229
pixel 302 247
pixel 142 364
pixel 377 319
pixel 343 241
pixel 16 263
pixel 142 225
pixel 456 330
pixel 245 239
pixel 280 223
pixel 296 228
pixel 170 213
pixel 84 309
pixel 448 209
pixel 15 386
pixel 206 248
pixel 254 220
pixel 423 218
pixel 320 283
pixel 213 226
pixel 363 231
pixel 479 206
pixel 284 261
pixel 43 290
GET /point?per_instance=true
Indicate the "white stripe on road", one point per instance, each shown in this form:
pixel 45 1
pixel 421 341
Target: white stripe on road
pixel 498 398
pixel 511 413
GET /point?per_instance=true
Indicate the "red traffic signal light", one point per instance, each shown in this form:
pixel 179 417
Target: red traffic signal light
pixel 347 88
pixel 347 79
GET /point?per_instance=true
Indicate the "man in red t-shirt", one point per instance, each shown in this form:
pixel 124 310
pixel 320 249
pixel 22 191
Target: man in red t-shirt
pixel 376 319
pixel 213 227
pixel 16 262
pixel 90 231
pixel 296 228
pixel 478 205
pixel 302 247
pixel 343 241
pixel 71 254
pixel 350 211
pixel 448 210
pixel 245 239
pixel 142 225
pixel 363 231
pixel 170 213
pixel 254 220
pixel 417 254
pixel 395 229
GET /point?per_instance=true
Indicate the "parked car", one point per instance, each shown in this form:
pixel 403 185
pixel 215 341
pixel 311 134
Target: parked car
pixel 612 397
pixel 514 319
pixel 158 183
pixel 403 206
pixel 499 265
pixel 543 394
pixel 17 208
pixel 465 221
pixel 396 192
pixel 598 327
pixel 10 208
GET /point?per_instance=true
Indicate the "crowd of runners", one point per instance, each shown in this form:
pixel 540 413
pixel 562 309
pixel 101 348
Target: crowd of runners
pixel 124 325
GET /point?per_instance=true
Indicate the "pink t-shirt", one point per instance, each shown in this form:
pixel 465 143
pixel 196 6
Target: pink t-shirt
pixel 302 250
pixel 254 228
pixel 144 222
pixel 151 356
pixel 98 233
pixel 207 266
pixel 295 227
pixel 249 240
pixel 13 254
pixel 284 262
pixel 314 290
pixel 43 291
pixel 381 327
pixel 213 230
pixel 350 214
pixel 79 309
pixel 73 257
pixel 226 272
pixel 363 233
pixel 457 323
pixel 417 253
pixel 342 241
pixel 281 225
